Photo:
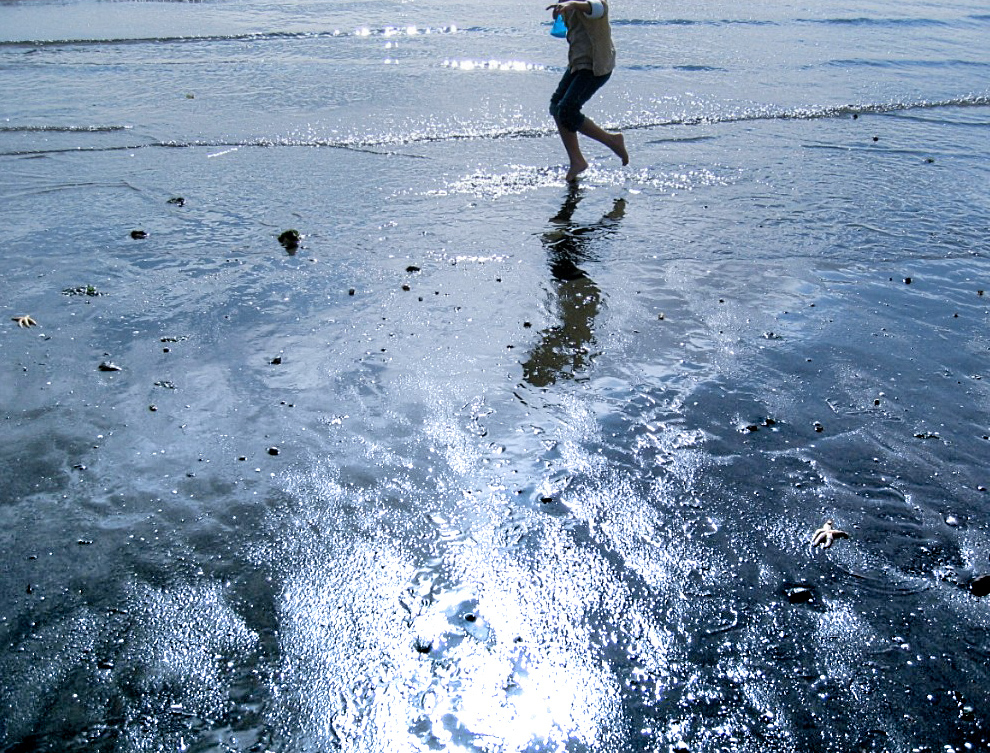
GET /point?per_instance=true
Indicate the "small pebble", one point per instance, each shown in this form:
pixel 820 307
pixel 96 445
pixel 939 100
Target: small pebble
pixel 799 594
pixel 273 450
pixel 139 234
pixel 951 520
pixel 289 239
pixel 980 586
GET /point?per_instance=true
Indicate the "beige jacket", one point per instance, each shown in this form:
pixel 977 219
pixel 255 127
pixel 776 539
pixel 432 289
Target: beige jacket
pixel 589 42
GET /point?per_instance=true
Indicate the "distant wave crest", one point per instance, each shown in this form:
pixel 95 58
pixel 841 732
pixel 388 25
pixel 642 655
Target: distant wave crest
pixel 385 31
pixel 63 129
pixel 382 143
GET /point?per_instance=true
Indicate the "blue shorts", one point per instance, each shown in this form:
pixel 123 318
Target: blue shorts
pixel 574 89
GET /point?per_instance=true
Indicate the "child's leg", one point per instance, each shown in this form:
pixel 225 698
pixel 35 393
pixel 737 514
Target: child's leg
pixel 614 141
pixel 578 164
pixel 562 108
pixel 574 90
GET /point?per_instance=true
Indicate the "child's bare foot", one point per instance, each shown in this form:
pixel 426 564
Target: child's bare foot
pixel 577 168
pixel 618 146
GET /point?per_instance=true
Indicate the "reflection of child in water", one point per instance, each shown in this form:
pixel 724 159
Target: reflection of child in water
pixel 590 61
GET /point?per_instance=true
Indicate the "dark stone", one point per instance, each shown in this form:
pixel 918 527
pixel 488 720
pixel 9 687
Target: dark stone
pixel 289 239
pixel 273 450
pixel 799 594
pixel 980 586
pixel 177 201
pixel 139 234
pixel 412 268
pixel 108 366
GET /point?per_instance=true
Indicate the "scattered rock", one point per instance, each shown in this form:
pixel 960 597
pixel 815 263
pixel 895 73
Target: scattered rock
pixel 289 240
pixel 82 290
pixel 470 617
pixel 273 450
pixel 351 291
pixel 84 542
pixel 153 408
pixel 139 234
pixel 177 201
pixel 951 520
pixel 818 427
pixel 109 366
pixel 406 288
pixel 980 586
pixel 907 280
pixel 799 594
pixel 423 647
pixel 412 268
pixel 276 361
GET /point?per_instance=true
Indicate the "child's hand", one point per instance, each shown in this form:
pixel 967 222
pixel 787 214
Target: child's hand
pixel 558 8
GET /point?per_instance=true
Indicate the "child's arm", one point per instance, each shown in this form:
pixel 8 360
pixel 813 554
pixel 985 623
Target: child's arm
pixel 593 8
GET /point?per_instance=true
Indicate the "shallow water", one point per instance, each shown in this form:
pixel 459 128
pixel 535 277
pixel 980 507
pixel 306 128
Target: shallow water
pixel 548 461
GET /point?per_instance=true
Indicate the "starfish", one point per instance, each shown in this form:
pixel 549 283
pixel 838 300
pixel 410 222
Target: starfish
pixel 825 535
pixel 24 321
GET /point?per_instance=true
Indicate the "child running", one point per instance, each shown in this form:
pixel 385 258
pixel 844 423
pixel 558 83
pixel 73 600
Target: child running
pixel 590 61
